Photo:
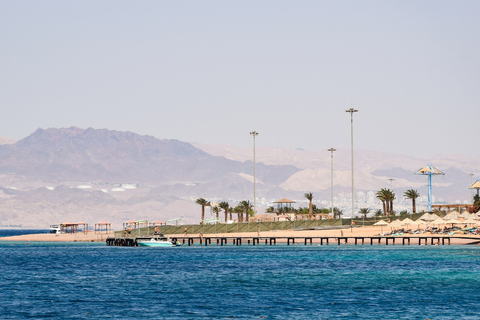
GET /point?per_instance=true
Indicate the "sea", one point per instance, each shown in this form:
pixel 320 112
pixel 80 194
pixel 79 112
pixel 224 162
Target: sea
pixel 64 280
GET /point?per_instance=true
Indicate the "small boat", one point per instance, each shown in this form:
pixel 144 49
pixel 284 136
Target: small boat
pixel 55 229
pixel 156 242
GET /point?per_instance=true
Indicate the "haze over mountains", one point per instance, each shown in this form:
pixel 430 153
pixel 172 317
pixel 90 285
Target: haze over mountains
pixel 73 174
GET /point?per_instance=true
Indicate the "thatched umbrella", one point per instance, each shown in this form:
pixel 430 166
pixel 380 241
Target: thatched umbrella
pixel 381 223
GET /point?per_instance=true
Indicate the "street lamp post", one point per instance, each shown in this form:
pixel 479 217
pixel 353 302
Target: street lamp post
pixel 352 111
pixel 254 134
pixel 331 165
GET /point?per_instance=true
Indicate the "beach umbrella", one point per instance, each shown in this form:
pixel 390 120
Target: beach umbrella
pixel 453 221
pixel 396 224
pixel 428 217
pixel 451 215
pixel 408 221
pixel 381 223
pixel 438 221
pixel 465 215
pixel 419 222
pixel 471 221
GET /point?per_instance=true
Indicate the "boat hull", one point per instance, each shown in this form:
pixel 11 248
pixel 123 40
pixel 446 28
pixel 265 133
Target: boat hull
pixel 155 244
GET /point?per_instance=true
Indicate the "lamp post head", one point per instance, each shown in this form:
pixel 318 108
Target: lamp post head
pixel 332 149
pixel 254 133
pixel 351 110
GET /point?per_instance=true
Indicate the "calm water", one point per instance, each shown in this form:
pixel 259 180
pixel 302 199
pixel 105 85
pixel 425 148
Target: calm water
pixel 93 281
pixel 17 232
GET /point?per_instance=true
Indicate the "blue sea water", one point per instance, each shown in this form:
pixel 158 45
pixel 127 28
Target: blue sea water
pixel 93 281
pixel 17 232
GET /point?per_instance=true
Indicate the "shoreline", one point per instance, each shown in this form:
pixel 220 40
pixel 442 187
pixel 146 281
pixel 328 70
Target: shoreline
pixel 360 231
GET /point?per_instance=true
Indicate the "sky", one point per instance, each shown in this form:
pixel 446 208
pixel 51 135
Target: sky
pixel 212 71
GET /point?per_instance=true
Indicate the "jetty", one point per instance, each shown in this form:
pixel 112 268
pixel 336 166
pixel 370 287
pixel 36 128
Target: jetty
pixel 297 240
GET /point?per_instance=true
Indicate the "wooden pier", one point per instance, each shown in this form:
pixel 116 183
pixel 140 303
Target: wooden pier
pixel 271 241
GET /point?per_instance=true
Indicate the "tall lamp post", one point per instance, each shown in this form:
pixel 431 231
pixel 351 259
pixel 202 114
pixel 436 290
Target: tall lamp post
pixel 254 134
pixel 352 111
pixel 331 165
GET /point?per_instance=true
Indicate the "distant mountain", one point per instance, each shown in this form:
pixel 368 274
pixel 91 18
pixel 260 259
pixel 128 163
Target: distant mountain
pixel 75 154
pixel 56 175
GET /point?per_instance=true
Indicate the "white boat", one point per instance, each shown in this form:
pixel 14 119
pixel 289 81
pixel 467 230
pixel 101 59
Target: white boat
pixel 55 229
pixel 156 242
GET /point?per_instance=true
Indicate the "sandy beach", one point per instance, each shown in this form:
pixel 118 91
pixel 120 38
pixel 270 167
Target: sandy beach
pixel 369 231
pixel 63 237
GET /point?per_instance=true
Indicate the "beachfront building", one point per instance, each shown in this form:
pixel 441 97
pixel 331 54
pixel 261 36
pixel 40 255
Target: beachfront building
pixel 285 207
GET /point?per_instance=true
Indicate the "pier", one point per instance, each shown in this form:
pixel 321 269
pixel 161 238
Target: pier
pixel 292 241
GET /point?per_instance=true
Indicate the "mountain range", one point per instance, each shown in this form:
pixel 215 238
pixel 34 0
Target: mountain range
pixel 72 174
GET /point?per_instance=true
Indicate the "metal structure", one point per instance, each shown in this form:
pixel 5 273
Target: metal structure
pixel 476 185
pixel 430 171
pixel 254 134
pixel 332 150
pixel 471 182
pixel 352 111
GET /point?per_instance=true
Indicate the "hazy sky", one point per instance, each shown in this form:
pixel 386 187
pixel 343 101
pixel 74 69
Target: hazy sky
pixel 212 71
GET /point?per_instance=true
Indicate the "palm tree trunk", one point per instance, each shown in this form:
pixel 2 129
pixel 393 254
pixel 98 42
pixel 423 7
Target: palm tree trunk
pixel 226 216
pixel 203 213
pixel 384 209
pixel 391 207
pixel 310 210
pixel 414 208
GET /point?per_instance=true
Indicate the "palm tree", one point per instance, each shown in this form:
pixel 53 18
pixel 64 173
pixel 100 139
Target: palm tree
pixel 239 211
pixel 309 196
pixel 270 209
pixel 364 211
pixel 413 195
pixel 380 195
pixel 231 210
pixel 247 207
pixel 204 203
pixel 386 196
pixel 390 195
pixel 224 205
pixel 217 211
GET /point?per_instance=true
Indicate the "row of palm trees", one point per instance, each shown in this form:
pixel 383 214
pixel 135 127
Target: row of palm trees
pixel 244 207
pixel 387 196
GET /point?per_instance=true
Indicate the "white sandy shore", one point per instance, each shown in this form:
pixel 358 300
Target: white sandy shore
pixel 353 232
